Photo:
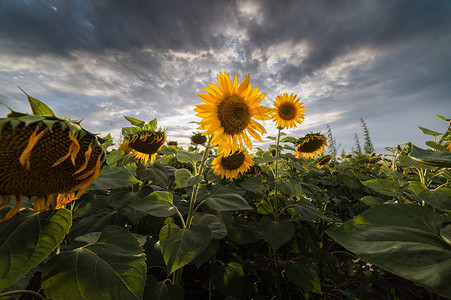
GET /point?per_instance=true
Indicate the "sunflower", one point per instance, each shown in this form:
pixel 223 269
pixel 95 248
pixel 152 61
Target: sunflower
pixel 323 161
pixel 229 111
pixel 46 157
pixel 311 145
pixel 232 165
pixel 198 139
pixel 288 111
pixel 142 140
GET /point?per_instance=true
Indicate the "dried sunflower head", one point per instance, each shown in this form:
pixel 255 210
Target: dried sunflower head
pixel 198 139
pixel 143 140
pixel 47 157
pixel 311 145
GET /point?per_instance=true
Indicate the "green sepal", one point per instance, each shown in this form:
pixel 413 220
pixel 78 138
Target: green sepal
pixel 49 123
pixel 38 107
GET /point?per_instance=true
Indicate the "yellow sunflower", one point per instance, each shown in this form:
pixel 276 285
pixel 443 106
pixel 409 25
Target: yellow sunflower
pixel 232 166
pixel 229 112
pixel 52 159
pixel 311 145
pixel 323 161
pixel 142 140
pixel 288 111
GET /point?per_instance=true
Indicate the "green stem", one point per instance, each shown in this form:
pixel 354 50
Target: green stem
pixel 276 200
pixel 197 186
pixel 23 292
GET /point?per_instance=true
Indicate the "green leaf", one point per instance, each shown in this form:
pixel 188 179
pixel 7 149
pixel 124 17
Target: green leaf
pixel 254 184
pixel 180 246
pixel 433 158
pixel 303 274
pixel 184 178
pixel 372 201
pixel 166 291
pixel 407 161
pixel 436 146
pixel 114 267
pixel 403 239
pixel 224 199
pixel 135 122
pixel 228 278
pixel 215 223
pixel 38 107
pixel 306 210
pixel 112 178
pixel 158 173
pixel 26 240
pixel 439 198
pixel 188 157
pixel 429 132
pixel 158 204
pixel 276 233
pixel 384 186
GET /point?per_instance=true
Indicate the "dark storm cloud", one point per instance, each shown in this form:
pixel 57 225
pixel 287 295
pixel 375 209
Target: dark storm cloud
pixel 61 26
pixel 333 28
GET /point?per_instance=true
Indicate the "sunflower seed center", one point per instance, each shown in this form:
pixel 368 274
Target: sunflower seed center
pixel 234 114
pixel 311 145
pixel 233 161
pixel 287 111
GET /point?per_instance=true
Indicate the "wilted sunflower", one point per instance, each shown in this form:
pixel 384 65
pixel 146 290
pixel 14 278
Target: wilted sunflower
pixel 229 112
pixel 143 140
pixel 323 161
pixel 198 139
pixel 288 111
pixel 233 165
pixel 43 156
pixel 311 145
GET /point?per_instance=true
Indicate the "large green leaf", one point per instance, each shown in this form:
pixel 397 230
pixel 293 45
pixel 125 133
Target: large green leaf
pixel 384 186
pixel 303 274
pixel 158 173
pixel 113 267
pixel 184 178
pixel 254 184
pixel 38 107
pixel 215 223
pixel 429 132
pixel 306 210
pixel 26 240
pixel 158 204
pixel 276 233
pixel 181 246
pixel 135 122
pixel 188 157
pixel 403 239
pixel 228 278
pixel 112 178
pixel 225 199
pixel 429 157
pixel 165 290
pixel 439 198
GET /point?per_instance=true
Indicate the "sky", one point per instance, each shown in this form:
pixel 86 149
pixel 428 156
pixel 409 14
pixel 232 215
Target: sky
pixel 388 62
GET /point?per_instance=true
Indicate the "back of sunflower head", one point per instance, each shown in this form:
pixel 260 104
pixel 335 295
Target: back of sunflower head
pixel 46 158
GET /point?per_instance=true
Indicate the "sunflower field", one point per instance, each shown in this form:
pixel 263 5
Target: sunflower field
pixel 82 218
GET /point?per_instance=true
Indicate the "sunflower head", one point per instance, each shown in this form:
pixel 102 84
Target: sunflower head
pixel 288 111
pixel 198 139
pixel 323 161
pixel 229 113
pixel 311 145
pixel 231 166
pixel 173 143
pixel 143 140
pixel 47 157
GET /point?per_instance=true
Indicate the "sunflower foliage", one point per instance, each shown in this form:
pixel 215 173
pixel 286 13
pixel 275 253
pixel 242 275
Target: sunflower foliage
pixel 224 221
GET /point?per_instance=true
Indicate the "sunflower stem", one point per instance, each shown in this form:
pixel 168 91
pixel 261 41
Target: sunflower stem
pixel 276 200
pixel 197 186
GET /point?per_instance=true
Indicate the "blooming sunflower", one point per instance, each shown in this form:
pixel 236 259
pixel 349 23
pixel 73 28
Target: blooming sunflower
pixel 311 145
pixel 143 140
pixel 323 161
pixel 229 112
pixel 230 166
pixel 288 111
pixel 46 157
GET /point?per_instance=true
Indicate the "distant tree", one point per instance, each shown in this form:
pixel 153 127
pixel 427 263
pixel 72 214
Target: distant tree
pixel 368 145
pixel 357 148
pixel 332 142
